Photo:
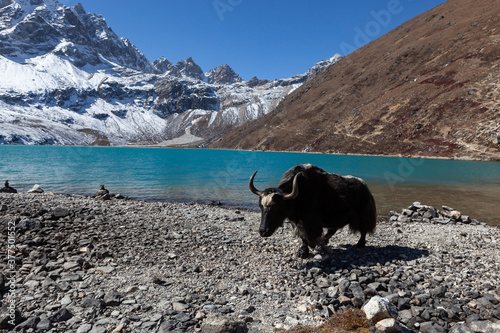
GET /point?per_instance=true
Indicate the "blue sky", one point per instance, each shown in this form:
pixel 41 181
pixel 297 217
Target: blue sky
pixel 267 39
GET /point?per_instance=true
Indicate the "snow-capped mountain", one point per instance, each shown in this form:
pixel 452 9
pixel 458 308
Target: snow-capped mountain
pixel 67 78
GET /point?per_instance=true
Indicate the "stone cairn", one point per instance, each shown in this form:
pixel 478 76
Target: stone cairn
pixel 7 189
pixel 102 193
pixel 428 214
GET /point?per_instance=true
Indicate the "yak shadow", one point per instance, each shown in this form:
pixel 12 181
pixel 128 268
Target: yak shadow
pixel 350 257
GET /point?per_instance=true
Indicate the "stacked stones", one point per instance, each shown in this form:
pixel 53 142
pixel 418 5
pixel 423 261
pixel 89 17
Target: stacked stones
pixel 428 214
pixel 90 265
pixel 7 189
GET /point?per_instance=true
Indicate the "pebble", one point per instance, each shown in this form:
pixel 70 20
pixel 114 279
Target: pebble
pixel 88 265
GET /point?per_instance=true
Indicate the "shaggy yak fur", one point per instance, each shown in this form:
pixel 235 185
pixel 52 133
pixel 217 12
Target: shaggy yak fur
pixel 313 199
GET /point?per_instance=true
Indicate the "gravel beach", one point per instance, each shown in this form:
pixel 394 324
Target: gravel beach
pixel 83 264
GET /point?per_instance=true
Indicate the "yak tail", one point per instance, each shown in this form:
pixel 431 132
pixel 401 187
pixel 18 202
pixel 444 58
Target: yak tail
pixel 366 220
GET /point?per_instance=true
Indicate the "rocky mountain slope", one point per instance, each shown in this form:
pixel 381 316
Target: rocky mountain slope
pixel 67 78
pixel 427 88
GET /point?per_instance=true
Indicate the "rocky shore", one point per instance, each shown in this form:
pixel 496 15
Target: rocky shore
pixel 82 264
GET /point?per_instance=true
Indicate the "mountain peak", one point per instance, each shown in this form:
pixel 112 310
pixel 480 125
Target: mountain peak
pixel 190 69
pixel 163 65
pixel 32 28
pixel 223 75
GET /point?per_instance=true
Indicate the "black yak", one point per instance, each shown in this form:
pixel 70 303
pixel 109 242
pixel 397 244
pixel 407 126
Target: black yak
pixel 313 199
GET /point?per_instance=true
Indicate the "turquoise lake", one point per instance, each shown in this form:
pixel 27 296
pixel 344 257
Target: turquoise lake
pixel 222 175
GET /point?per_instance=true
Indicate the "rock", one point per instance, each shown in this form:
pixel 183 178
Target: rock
pixel 455 214
pixel 484 326
pixel 113 298
pixel 29 224
pixel 322 283
pixel 29 323
pixel 333 292
pixel 60 212
pixel 465 219
pixel 119 328
pixel 7 188
pixel 428 327
pixel 179 307
pixel 214 324
pixel 389 325
pixel 36 189
pixel 379 308
pixel 461 328
pixel 9 319
pixel 44 325
pixel 71 277
pixel 93 303
pixel 84 328
pixel 344 300
pixel 101 192
pixel 61 315
pixel 105 269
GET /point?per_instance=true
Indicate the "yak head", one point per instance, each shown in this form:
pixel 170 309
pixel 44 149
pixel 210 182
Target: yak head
pixel 272 203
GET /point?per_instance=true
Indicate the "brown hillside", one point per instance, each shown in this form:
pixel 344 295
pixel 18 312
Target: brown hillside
pixel 430 87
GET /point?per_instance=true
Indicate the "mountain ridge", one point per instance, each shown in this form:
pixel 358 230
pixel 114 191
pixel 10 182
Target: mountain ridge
pixel 427 88
pixel 69 79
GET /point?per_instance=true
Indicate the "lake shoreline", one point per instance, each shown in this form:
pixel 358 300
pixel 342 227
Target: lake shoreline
pixel 452 158
pixel 83 263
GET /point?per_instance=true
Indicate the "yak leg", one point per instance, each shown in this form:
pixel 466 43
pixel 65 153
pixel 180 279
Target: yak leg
pixel 328 235
pixel 303 251
pixel 362 241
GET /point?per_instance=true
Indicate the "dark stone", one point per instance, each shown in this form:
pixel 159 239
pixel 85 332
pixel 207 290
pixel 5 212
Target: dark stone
pixel 404 304
pixel 166 326
pixel 491 298
pixel 113 298
pixel 61 315
pixel 29 323
pixel 6 320
pixel 425 315
pixel 7 188
pixel 60 212
pixel 182 317
pixel 427 327
pixel 27 224
pixel 44 325
pixel 93 303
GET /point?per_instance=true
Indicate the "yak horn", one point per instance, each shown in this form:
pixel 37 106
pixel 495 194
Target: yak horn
pixel 252 188
pixel 295 189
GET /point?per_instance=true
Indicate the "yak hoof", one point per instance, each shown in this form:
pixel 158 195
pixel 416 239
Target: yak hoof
pixel 361 244
pixel 303 252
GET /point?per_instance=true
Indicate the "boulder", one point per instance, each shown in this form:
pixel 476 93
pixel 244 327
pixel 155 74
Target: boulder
pixel 36 189
pixel 216 324
pixel 389 325
pixel 379 308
